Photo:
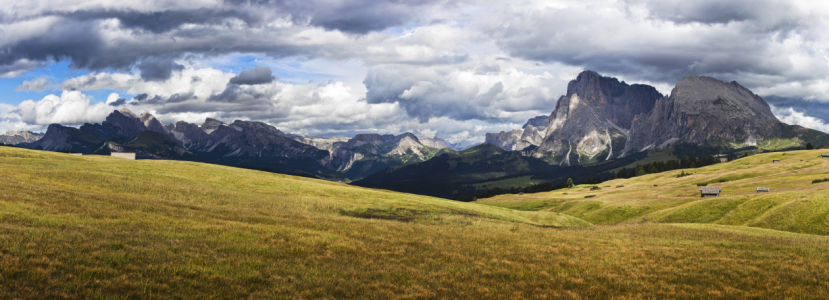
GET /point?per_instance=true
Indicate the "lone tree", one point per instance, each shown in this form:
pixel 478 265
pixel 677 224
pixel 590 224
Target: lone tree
pixel 569 182
pixel 809 146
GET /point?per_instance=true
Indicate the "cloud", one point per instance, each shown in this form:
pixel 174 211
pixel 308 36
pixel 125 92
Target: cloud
pixel 773 43
pixel 35 85
pixel 794 117
pixel 10 120
pixel 257 75
pixel 70 108
pixel 15 68
pixel 812 108
pixel 465 92
pixel 158 69
pixel 102 35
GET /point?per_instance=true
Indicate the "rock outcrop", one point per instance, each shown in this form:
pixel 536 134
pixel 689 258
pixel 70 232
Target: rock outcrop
pixel 436 142
pixel 591 122
pixel 19 137
pixel 705 111
pixel 531 134
pixel 242 139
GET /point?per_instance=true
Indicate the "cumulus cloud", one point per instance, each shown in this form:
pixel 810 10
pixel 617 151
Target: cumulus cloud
pixel 791 116
pixel 70 108
pixel 257 75
pixel 465 92
pixel 455 68
pixel 35 85
pixel 762 45
pixel 99 35
pixel 10 120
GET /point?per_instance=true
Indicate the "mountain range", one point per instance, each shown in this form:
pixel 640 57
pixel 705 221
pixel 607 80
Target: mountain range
pixel 600 119
pixel 247 144
pixel 602 125
pixel 19 137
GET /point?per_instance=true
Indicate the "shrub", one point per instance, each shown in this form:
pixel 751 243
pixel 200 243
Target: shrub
pixel 702 184
pixel 595 188
pixel 820 180
pixel 589 196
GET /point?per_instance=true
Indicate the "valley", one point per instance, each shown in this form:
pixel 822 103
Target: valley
pixel 103 227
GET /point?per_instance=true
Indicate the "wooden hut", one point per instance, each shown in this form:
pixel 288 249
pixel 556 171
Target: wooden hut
pixel 710 191
pixel 76 153
pixel 824 155
pixel 762 190
pixel 123 155
pixel 775 161
pixel 721 157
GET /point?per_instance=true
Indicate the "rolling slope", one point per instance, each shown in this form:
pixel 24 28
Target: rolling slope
pixel 106 228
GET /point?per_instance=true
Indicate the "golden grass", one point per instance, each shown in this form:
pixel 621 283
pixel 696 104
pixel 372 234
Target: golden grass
pixel 794 204
pixel 105 228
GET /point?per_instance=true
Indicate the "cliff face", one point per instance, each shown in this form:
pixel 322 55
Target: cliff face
pixel 436 142
pixel 591 122
pixel 19 137
pixel 531 134
pixel 242 139
pixel 704 110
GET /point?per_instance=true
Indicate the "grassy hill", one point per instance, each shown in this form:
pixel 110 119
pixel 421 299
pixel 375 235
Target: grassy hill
pixel 106 228
pixel 794 204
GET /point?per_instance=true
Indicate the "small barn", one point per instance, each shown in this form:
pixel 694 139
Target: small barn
pixel 721 157
pixel 710 191
pixel 76 153
pixel 762 190
pixel 775 161
pixel 127 155
pixel 824 155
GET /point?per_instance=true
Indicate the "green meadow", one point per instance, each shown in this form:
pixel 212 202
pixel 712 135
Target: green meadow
pixel 98 227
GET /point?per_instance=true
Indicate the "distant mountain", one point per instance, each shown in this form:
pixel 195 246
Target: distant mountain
pixel 601 118
pixel 365 154
pixel 241 143
pixel 531 134
pixel 64 138
pixel 436 142
pixel 707 112
pixel 149 145
pixel 253 145
pixel 89 137
pixel 480 168
pixel 19 137
pixel 600 125
pixel 591 122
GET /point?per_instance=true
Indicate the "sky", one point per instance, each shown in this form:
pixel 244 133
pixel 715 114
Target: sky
pixel 455 69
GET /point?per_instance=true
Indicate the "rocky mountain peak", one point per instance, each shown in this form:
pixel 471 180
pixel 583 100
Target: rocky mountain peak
pixel 703 110
pixel 436 142
pixel 123 123
pixel 19 137
pixel 537 122
pixel 211 124
pixel 593 119
pixel 127 112
pixel 152 123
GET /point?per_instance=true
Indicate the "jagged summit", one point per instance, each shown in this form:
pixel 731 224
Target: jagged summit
pixel 591 122
pixel 19 137
pixel 127 112
pixel 704 110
